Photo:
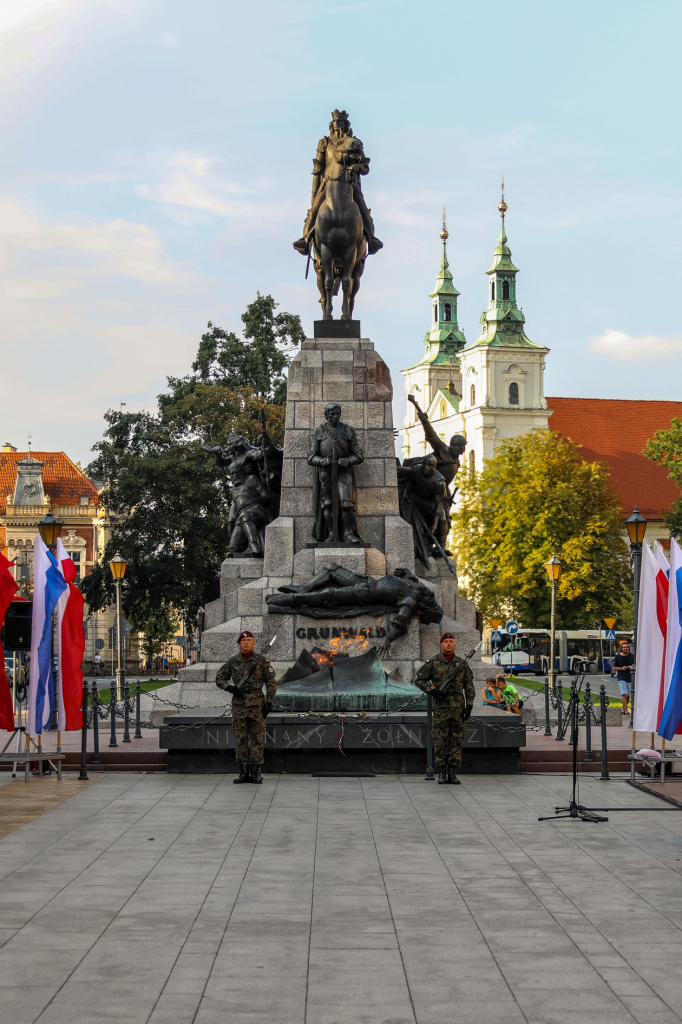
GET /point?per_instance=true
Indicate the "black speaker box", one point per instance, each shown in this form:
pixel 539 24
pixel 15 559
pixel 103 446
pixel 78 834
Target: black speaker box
pixel 16 631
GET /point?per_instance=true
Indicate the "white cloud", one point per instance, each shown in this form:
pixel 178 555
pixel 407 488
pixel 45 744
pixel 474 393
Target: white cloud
pixel 119 247
pixel 618 345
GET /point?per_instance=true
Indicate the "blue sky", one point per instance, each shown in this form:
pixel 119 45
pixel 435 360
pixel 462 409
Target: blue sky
pixel 155 169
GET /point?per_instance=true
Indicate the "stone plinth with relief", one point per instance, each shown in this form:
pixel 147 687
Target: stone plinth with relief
pixel 349 371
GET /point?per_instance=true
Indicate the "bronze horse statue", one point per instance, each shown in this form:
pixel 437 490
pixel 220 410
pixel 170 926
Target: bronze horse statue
pixel 340 245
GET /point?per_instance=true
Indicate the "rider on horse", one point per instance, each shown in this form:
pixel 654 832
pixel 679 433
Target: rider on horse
pixel 339 127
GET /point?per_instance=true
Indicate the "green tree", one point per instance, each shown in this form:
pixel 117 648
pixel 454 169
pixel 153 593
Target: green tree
pixel 157 630
pixel 167 499
pixel 257 362
pixel 665 449
pixel 535 497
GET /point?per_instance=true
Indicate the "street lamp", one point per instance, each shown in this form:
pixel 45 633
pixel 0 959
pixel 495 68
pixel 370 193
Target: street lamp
pixel 636 527
pixel 118 571
pixel 553 567
pixel 49 529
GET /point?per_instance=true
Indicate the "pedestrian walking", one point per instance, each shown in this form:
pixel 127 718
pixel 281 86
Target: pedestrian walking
pixel 450 711
pixel 249 710
pixel 623 662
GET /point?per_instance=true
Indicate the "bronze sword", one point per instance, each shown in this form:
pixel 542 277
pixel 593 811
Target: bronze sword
pixel 335 492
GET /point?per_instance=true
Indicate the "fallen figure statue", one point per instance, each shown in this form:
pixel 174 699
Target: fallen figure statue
pixel 338 593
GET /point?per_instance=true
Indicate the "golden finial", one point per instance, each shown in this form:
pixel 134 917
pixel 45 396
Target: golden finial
pixel 502 205
pixel 444 231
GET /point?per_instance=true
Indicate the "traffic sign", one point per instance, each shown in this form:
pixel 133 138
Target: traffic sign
pixel 610 634
pixel 610 621
pixel 496 635
pixel 496 623
pixel 512 627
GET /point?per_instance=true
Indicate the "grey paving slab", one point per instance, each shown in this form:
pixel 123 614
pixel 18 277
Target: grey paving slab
pixel 184 898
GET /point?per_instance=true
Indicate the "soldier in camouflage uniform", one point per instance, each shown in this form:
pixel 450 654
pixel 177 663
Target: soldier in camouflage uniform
pixel 248 711
pixel 450 711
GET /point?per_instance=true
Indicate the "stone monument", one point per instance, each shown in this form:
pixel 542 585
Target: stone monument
pixel 336 367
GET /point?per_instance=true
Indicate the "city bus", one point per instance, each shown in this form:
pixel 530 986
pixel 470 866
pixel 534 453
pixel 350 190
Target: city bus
pixel 576 649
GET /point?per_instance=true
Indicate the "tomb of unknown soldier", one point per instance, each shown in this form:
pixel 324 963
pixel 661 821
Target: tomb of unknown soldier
pixel 337 553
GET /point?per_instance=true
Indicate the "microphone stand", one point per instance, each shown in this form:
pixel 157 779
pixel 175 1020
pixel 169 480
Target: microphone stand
pixel 574 809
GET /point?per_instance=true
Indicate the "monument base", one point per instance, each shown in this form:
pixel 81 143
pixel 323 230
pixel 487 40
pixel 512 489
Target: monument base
pixel 395 744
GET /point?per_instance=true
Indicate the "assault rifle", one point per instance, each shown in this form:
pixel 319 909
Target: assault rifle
pixel 241 688
pixel 449 684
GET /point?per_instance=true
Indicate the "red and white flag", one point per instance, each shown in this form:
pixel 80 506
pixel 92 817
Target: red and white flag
pixel 71 645
pixel 651 638
pixel 8 589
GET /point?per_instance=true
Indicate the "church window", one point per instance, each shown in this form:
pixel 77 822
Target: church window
pixel 473 394
pixel 435 312
pixel 443 410
pixel 492 290
pixel 448 312
pixel 513 393
pixel 505 289
pixel 472 461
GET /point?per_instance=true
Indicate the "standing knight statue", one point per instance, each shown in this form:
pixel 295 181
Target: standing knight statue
pixel 335 450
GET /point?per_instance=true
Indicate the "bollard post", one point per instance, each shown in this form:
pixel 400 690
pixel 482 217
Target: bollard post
pixel 589 756
pixel 84 735
pixel 559 709
pixel 574 716
pixel 112 715
pixel 94 699
pixel 138 730
pixel 429 740
pixel 548 728
pixel 126 712
pixel 604 751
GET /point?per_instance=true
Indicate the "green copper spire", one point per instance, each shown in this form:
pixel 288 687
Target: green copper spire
pixel 444 340
pixel 503 322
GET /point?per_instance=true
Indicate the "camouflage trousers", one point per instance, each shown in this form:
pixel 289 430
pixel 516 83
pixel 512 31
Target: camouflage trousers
pixel 447 730
pixel 248 725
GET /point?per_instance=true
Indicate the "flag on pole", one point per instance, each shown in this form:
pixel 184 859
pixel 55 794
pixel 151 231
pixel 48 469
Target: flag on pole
pixel 672 710
pixel 8 589
pixel 48 585
pixel 661 559
pixel 71 645
pixel 651 634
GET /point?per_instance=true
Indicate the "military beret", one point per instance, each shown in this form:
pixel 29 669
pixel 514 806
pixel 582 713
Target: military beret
pixel 447 636
pixel 243 635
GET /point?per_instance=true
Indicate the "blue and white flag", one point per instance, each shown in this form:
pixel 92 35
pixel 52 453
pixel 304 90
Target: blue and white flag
pixel 672 710
pixel 48 585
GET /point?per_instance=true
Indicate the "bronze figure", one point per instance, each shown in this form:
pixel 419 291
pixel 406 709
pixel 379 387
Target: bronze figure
pixel 335 450
pixel 339 230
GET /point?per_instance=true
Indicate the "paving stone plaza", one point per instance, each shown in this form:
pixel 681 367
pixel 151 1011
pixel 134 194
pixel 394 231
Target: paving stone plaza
pixel 160 898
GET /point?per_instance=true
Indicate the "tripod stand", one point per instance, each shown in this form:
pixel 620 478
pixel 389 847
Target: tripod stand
pixel 574 809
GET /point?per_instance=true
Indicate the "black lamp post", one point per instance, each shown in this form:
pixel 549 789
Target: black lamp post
pixel 553 567
pixel 636 527
pixel 49 529
pixel 118 571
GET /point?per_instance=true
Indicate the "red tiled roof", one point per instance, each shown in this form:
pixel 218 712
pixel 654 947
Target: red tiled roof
pixel 64 482
pixel 615 431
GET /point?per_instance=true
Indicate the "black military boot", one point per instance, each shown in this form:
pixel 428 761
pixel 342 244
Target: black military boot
pixel 443 775
pixel 452 778
pixel 243 775
pixel 256 774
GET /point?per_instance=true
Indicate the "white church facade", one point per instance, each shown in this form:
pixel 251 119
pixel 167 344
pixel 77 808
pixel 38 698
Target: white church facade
pixel 487 391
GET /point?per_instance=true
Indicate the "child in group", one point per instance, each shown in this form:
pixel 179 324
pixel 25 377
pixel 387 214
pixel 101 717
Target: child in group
pixel 509 694
pixel 492 695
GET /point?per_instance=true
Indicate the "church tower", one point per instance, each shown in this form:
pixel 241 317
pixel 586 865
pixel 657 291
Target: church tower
pixel 435 381
pixel 502 372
